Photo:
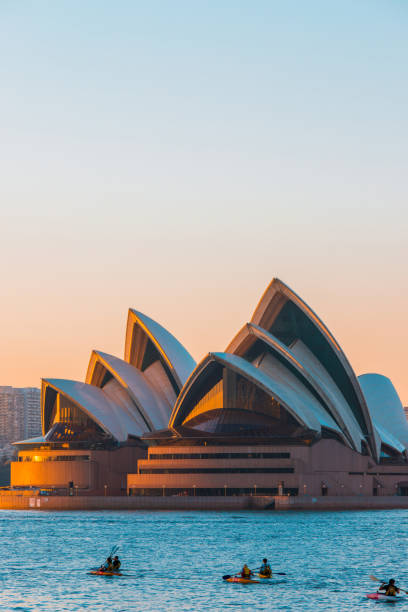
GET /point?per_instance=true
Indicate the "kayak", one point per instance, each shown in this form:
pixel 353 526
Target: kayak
pixel 265 577
pixel 382 597
pixel 241 580
pixel 100 573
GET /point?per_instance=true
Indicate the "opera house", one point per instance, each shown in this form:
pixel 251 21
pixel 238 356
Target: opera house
pixel 280 412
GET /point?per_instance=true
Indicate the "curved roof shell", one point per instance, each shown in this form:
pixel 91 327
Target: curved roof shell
pixel 314 378
pixel 389 440
pixel 283 386
pixel 385 407
pixel 147 406
pixel 284 314
pixel 176 360
pixel 93 402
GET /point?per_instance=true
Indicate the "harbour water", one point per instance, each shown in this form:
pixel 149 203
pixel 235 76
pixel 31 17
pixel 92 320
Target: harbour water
pixel 176 560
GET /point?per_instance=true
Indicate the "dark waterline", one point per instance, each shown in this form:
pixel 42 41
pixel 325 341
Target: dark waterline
pixel 177 559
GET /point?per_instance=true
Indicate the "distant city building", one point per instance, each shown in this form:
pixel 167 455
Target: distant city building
pixel 20 413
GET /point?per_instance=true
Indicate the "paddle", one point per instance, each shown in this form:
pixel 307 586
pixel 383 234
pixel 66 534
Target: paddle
pixel 273 572
pixel 114 550
pixel 384 582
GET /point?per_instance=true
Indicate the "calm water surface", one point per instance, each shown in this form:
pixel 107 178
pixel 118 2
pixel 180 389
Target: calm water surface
pixel 176 559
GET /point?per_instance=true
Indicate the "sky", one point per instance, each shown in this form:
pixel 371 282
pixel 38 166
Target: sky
pixel 176 156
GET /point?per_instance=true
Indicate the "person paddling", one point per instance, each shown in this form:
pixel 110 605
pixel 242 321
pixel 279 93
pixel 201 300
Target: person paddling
pixel 246 572
pixel 116 564
pixel 107 566
pixel 390 588
pixel 265 570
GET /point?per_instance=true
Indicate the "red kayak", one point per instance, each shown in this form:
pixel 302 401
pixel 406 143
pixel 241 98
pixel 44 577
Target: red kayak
pixel 101 573
pixel 382 597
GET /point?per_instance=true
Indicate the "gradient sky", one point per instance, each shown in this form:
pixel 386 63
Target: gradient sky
pixel 175 156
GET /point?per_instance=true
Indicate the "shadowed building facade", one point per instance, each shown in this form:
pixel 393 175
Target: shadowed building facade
pixel 92 431
pixel 280 412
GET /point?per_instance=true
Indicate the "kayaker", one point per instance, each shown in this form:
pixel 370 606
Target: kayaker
pixel 107 566
pixel 390 589
pixel 265 569
pixel 246 572
pixel 116 564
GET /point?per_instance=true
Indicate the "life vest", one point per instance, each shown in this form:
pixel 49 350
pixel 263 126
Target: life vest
pixel 265 570
pixel 391 590
pixel 246 572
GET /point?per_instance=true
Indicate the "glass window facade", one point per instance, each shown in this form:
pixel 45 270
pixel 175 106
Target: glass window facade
pixel 221 470
pixel 212 400
pixel 71 424
pixel 68 412
pixel 43 458
pixel 227 403
pixel 244 424
pixel 66 432
pixel 215 491
pixel 231 455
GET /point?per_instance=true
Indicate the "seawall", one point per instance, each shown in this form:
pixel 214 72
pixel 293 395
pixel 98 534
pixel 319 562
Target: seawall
pixel 32 501
pixel 40 502
pixel 339 502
